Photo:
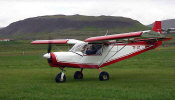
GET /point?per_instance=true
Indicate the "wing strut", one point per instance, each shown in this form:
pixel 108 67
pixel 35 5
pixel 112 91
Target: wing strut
pixel 105 56
pixel 112 55
pixel 115 53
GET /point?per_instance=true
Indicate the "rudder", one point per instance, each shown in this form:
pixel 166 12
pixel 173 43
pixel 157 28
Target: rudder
pixel 157 27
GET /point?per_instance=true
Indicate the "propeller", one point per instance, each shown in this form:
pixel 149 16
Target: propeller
pixel 48 55
pixel 49 45
pixel 49 48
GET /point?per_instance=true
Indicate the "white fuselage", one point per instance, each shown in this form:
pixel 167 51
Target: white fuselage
pixel 109 54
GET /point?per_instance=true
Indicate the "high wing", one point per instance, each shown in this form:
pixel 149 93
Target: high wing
pixel 113 37
pixel 142 35
pixel 58 41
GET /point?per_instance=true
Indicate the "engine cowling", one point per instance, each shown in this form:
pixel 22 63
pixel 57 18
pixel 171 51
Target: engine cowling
pixel 51 59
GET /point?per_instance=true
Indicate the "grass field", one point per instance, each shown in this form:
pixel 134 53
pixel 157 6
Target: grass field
pixel 148 76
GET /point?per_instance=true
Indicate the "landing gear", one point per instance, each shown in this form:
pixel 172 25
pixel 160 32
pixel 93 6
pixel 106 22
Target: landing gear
pixel 61 77
pixel 104 76
pixel 78 74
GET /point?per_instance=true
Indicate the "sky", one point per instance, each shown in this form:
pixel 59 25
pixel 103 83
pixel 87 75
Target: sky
pixel 145 11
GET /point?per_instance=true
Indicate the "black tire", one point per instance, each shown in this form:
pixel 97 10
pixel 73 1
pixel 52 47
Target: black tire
pixel 104 76
pixel 58 78
pixel 78 75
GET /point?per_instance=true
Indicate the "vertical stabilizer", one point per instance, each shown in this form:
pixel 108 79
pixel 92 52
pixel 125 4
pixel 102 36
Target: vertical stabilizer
pixel 157 26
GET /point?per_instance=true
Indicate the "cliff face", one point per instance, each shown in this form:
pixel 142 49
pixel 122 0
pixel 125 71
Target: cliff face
pixel 61 25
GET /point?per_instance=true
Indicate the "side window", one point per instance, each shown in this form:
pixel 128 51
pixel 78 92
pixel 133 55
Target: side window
pixel 93 49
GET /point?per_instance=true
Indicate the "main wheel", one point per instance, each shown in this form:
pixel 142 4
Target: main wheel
pixel 104 76
pixel 78 75
pixel 60 78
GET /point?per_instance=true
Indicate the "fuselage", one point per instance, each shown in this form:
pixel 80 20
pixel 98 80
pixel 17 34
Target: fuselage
pixel 109 54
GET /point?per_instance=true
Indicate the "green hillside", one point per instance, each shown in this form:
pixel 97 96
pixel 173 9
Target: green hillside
pixel 75 26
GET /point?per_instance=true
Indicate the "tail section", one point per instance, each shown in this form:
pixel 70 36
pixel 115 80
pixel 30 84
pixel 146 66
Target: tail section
pixel 157 27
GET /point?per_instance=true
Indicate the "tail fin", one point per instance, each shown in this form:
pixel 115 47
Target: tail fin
pixel 157 27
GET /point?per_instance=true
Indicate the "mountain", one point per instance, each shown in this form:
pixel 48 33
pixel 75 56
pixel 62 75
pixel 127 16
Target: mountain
pixel 75 26
pixel 170 23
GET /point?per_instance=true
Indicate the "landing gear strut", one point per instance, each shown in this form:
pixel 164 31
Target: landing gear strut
pixel 61 77
pixel 78 74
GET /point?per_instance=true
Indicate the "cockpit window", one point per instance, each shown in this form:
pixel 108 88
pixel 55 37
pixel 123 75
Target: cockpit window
pixel 93 49
pixel 87 49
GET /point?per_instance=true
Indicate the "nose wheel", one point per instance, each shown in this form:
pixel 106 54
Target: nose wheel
pixel 61 77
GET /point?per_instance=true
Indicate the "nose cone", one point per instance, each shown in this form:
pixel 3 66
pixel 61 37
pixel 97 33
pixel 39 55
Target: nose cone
pixel 47 55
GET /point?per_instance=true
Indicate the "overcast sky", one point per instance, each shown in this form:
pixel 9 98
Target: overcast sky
pixel 145 11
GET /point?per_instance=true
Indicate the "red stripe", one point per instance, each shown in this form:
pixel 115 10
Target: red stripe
pixel 117 36
pixel 74 65
pixel 158 43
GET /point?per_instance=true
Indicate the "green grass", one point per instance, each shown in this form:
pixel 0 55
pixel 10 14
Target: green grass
pixel 148 76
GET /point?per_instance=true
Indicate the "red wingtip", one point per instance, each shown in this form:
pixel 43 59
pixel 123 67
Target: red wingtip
pixel 157 27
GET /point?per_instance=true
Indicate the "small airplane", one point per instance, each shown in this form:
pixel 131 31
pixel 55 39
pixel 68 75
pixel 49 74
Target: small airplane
pixel 101 51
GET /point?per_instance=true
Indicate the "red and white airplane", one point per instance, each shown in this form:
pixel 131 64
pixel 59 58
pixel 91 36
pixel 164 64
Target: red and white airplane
pixel 101 51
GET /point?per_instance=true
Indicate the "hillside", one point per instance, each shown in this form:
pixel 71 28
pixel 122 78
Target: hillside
pixel 170 23
pixel 75 26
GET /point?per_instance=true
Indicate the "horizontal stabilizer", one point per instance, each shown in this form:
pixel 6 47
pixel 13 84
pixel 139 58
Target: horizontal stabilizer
pixel 156 39
pixel 151 34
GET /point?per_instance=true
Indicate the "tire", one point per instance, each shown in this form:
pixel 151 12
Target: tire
pixel 78 75
pixel 104 76
pixel 58 78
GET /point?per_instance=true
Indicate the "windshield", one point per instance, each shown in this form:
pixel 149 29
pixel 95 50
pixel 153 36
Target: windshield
pixel 78 47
